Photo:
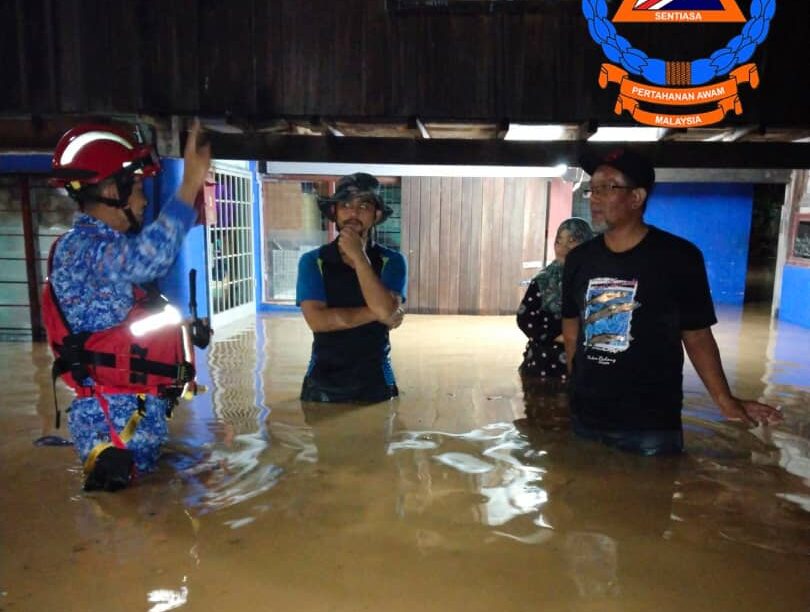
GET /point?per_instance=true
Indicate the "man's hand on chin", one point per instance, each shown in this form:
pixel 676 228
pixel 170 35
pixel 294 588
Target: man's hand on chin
pixel 351 244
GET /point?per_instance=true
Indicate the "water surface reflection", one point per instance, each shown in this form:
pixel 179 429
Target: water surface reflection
pixel 467 493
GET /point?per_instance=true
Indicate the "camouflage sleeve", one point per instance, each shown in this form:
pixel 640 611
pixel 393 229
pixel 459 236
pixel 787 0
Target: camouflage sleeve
pixel 150 253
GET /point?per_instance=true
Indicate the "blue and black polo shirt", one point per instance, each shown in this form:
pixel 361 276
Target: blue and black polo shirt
pixel 354 364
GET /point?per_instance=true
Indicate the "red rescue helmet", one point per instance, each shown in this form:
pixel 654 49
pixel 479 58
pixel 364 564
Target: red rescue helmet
pixel 90 153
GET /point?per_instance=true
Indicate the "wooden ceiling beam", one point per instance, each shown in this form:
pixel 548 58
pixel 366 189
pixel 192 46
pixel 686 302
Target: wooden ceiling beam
pixel 668 154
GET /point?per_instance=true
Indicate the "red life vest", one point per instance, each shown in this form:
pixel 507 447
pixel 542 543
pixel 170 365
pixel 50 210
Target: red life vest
pixel 116 360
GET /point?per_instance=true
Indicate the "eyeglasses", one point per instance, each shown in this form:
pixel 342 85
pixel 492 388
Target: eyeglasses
pixel 602 190
pixel 361 206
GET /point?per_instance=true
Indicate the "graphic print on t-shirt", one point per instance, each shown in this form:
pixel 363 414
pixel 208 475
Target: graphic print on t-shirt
pixel 609 306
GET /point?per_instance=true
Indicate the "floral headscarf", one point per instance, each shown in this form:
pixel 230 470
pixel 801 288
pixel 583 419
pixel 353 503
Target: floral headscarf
pixel 578 227
pixel 549 279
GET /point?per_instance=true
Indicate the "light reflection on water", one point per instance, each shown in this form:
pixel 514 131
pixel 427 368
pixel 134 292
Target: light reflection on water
pixel 468 491
pixel 223 463
pixel 231 475
pixel 516 473
pixel 166 599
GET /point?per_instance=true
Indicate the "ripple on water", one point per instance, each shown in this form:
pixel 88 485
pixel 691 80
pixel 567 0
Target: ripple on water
pixel 230 475
pixel 464 463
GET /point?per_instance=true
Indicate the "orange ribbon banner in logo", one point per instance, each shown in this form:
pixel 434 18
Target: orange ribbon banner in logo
pixel 724 95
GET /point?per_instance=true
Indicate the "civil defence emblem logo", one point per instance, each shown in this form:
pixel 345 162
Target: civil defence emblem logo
pixel 683 85
pixel 679 10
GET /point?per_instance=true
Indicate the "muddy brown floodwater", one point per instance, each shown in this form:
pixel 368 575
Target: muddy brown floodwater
pixel 466 493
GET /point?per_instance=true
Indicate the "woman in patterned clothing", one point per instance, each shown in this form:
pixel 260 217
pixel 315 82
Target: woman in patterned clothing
pixel 95 268
pixel 539 313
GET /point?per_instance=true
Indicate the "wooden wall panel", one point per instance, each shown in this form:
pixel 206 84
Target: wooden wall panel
pixel 493 260
pixel 415 229
pixel 426 74
pixel 455 241
pixel 466 265
pixel 433 250
pixel 312 59
pixel 171 74
pixel 502 263
pixel 305 70
pixel 13 72
pixel 70 66
pixel 227 80
pixel 410 237
pixel 111 56
pixel 507 260
pixel 487 247
pixel 535 218
pixel 450 245
pixel 560 198
pixel 512 246
pixel 424 246
pixel 446 247
pixel 37 57
pixel 532 66
pixel 466 240
pixel 270 46
pixel 474 209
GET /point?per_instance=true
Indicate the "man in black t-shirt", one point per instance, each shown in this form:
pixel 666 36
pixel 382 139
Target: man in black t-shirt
pixel 632 299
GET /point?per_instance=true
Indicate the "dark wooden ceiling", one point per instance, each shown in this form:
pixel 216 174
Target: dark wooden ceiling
pixel 277 78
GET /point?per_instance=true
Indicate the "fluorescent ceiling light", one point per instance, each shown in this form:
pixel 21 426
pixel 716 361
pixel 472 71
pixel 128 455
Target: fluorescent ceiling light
pixel 341 169
pixel 519 131
pixel 627 134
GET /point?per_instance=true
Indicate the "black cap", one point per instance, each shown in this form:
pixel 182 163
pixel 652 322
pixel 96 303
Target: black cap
pixel 633 165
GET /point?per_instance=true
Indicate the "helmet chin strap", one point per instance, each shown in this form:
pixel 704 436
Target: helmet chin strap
pixel 134 224
pixel 124 183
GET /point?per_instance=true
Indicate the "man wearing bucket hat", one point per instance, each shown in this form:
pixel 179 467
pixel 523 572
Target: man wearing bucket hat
pixel 633 299
pixel 351 293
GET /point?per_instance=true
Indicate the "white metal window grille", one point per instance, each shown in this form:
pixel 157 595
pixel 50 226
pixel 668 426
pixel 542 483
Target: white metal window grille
pixel 231 279
pixel 389 234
